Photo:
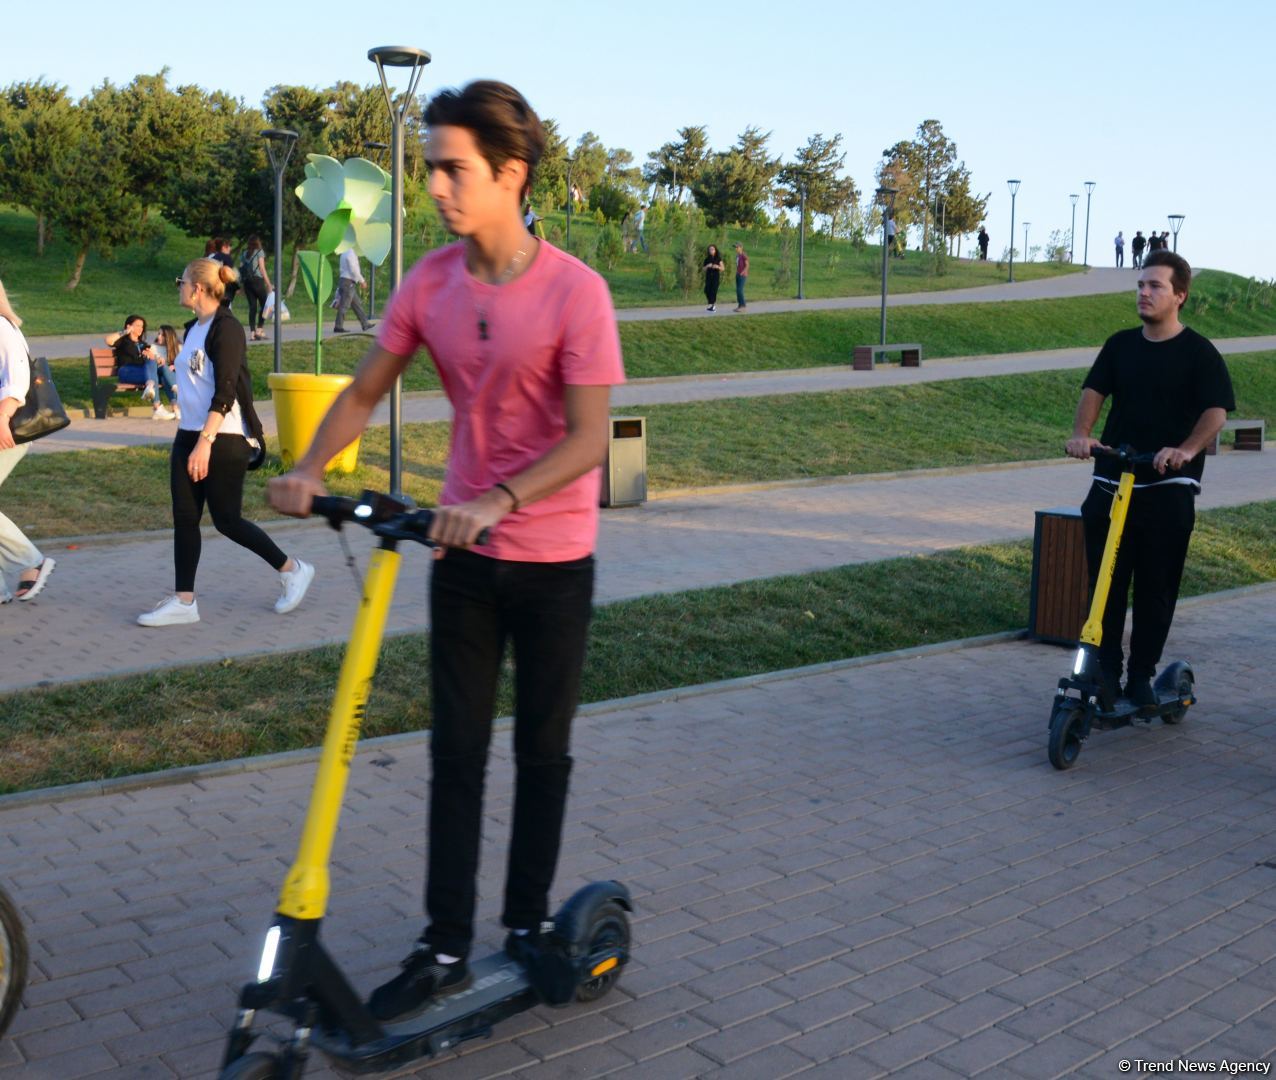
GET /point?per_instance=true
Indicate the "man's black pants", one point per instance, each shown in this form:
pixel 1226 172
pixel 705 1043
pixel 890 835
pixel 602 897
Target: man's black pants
pixel 1152 553
pixel 476 603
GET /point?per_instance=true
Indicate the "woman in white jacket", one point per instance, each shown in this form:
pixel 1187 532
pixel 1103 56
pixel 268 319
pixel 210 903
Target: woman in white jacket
pixel 20 560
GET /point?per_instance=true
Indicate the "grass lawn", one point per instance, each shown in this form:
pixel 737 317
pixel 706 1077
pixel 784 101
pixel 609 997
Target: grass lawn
pixel 140 279
pixel 956 422
pixel 184 716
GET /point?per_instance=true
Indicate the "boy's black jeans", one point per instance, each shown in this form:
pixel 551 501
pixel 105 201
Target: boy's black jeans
pixel 476 604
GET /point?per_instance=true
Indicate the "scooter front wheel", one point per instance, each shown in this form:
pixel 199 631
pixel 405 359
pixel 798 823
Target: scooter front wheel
pixel 255 1066
pixel 1065 735
pixel 13 960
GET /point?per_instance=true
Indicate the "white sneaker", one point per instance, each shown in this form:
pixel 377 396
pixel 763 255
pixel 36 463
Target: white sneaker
pixel 149 393
pixel 293 586
pixel 170 612
pixel 161 413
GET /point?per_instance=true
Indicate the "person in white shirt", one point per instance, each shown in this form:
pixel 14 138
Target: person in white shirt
pixel 20 560
pixel 348 292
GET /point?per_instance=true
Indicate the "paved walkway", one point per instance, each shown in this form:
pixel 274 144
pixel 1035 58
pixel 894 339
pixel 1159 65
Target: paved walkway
pixel 696 540
pixel 89 434
pixel 1092 283
pixel 870 871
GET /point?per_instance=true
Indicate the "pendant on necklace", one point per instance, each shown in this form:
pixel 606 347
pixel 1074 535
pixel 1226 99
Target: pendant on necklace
pixel 482 328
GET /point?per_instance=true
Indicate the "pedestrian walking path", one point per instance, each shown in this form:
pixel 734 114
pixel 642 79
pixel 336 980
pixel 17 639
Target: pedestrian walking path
pixel 1093 282
pixel 117 432
pixel 860 872
pixel 82 626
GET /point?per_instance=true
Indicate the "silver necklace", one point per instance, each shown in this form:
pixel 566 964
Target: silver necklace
pixel 480 310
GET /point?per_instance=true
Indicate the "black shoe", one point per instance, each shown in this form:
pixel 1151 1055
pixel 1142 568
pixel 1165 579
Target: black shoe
pixel 1111 682
pixel 1139 690
pixel 422 979
pixel 338 329
pixel 544 957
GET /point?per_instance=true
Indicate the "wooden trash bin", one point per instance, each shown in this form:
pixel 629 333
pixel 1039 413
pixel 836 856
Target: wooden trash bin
pixel 1060 596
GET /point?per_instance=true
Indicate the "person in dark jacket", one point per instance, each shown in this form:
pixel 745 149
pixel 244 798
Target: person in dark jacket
pixel 211 452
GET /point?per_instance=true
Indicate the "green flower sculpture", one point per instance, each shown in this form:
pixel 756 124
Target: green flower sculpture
pixel 352 198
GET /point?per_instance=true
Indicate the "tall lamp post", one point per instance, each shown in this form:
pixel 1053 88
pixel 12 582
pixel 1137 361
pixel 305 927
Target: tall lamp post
pixel 1013 185
pixel 1072 233
pixel 801 238
pixel 398 56
pixel 885 195
pixel 279 146
pixel 568 242
pixel 1025 241
pixel 1089 190
pixel 1176 223
pixel 373 150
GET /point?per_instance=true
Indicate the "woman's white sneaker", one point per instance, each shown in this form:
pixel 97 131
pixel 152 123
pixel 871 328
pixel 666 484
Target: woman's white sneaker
pixel 170 612
pixel 293 586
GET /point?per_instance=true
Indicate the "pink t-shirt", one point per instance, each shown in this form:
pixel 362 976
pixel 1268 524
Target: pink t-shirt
pixel 504 354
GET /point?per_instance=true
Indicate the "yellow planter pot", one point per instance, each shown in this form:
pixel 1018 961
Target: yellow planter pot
pixel 301 402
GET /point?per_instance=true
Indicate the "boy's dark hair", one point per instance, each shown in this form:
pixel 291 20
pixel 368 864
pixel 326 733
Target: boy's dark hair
pixel 504 125
pixel 1180 271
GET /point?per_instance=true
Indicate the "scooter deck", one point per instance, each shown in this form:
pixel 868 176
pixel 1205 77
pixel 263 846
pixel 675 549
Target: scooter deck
pixel 1126 712
pixel 500 988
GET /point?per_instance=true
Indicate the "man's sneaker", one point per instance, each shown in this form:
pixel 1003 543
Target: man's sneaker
pixel 1111 681
pixel 170 612
pixel 161 413
pixel 293 586
pixel 1139 690
pixel 422 979
pixel 543 956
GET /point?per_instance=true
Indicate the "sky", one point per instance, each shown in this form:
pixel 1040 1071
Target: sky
pixel 1165 105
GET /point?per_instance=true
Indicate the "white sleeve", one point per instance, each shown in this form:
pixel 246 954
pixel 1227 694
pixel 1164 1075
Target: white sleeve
pixel 15 370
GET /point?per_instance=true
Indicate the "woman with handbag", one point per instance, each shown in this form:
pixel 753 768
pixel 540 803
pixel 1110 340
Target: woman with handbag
pixel 19 558
pixel 212 453
pixel 257 285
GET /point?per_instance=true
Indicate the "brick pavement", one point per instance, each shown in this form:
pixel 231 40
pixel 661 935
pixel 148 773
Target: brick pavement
pixel 695 540
pixel 859 872
pixel 1093 282
pixel 90 434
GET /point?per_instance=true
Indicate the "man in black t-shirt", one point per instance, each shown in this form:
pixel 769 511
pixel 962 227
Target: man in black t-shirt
pixel 1170 396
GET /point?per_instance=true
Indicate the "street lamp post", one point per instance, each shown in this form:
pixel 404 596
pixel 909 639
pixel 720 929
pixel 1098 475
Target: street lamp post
pixel 1025 241
pixel 1013 185
pixel 404 56
pixel 1089 190
pixel 374 149
pixel 1072 233
pixel 801 239
pixel 568 241
pixel 1176 223
pixel 279 146
pixel 887 196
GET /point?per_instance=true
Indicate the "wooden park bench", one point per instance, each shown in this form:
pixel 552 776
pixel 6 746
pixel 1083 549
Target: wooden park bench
pixel 910 355
pixel 1249 435
pixel 103 381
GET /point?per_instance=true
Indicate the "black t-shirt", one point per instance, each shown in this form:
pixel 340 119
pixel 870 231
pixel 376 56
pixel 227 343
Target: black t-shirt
pixel 1159 390
pixel 128 351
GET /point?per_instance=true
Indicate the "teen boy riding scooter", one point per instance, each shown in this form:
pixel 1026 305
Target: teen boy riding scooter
pixel 1170 396
pixel 524 338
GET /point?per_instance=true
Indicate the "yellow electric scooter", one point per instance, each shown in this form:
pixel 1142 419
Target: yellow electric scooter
pixel 296 978
pixel 1083 702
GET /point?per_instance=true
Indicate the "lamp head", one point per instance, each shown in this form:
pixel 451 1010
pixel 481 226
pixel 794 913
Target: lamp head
pixel 1089 186
pixel 1013 185
pixel 1074 199
pixel 398 56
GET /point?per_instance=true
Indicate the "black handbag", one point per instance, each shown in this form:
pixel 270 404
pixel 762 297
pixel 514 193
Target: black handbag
pixel 42 414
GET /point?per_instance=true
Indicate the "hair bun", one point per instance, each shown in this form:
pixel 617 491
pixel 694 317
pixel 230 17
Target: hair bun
pixel 227 274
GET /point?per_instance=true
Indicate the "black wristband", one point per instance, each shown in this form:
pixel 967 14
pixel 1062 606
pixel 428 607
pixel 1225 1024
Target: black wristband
pixel 505 488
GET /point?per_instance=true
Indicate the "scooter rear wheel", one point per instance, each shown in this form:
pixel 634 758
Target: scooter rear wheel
pixel 1065 738
pixel 13 960
pixel 608 931
pixel 1184 689
pixel 255 1066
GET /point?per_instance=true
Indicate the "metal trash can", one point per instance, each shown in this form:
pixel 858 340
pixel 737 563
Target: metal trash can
pixel 625 471
pixel 1060 596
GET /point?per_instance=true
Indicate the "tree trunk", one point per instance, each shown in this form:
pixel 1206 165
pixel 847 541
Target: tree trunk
pixel 39 234
pixel 292 281
pixel 79 268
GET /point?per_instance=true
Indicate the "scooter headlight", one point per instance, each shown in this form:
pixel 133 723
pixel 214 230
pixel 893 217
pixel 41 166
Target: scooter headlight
pixel 1079 665
pixel 267 966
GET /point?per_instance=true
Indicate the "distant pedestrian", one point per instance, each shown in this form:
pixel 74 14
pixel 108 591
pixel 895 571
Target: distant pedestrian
pixel 640 219
pixel 713 267
pixel 891 230
pixel 351 281
pixel 221 252
pixel 256 283
pixel 983 244
pixel 1136 248
pixel 1119 243
pixel 211 453
pixel 1154 242
pixel 741 276
pixel 1165 241
pixel 20 560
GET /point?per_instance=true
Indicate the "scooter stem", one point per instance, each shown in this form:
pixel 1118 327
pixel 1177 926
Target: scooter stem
pixel 1092 632
pixel 305 890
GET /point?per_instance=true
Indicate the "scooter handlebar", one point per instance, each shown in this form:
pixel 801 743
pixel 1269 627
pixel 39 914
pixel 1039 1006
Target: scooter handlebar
pixel 1125 454
pixel 381 513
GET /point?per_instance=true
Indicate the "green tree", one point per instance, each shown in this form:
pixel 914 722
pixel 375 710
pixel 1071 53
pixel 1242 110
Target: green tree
pixel 734 185
pixel 39 127
pixel 815 167
pixel 677 165
pixel 589 162
pixel 964 211
pixel 549 182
